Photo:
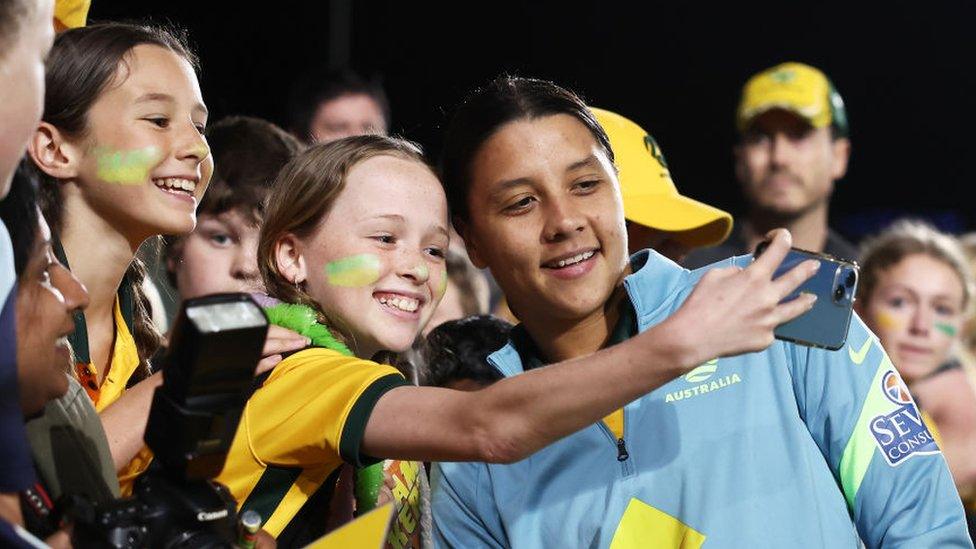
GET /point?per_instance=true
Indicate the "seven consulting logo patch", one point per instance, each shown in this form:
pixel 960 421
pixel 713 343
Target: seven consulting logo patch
pixel 900 433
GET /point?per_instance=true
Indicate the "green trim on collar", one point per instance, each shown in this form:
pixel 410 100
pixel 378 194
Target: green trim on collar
pixel 625 329
pixel 79 337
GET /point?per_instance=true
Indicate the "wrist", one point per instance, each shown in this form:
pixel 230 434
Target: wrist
pixel 683 350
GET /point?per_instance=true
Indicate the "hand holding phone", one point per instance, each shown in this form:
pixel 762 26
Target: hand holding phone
pixel 834 284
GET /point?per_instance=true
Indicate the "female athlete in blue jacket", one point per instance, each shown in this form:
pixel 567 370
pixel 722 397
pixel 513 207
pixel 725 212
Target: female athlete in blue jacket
pixel 788 447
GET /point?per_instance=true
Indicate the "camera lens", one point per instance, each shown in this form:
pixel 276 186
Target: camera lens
pixel 850 280
pixel 839 293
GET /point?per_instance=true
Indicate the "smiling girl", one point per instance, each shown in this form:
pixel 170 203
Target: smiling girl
pixel 354 236
pixel 916 293
pixel 123 158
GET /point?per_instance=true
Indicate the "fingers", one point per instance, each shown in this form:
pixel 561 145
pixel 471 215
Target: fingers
pixel 267 363
pixel 719 274
pixel 779 245
pixel 793 308
pixel 281 340
pixel 264 541
pixel 276 331
pixel 384 496
pixel 792 279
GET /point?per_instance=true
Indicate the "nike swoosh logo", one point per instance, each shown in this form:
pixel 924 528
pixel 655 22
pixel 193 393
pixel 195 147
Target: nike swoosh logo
pixel 858 357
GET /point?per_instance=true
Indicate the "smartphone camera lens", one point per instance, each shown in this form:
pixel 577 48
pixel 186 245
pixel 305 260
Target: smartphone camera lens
pixel 839 293
pixel 850 280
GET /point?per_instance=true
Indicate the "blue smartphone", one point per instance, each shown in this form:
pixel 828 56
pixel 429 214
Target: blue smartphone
pixel 835 283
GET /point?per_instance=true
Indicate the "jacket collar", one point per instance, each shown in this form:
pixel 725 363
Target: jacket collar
pixel 651 288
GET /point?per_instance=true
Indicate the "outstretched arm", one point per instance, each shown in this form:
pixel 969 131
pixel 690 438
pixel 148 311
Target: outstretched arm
pixel 731 311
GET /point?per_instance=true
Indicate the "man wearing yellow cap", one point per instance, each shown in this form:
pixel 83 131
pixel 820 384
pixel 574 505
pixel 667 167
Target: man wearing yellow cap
pixel 793 145
pixel 657 216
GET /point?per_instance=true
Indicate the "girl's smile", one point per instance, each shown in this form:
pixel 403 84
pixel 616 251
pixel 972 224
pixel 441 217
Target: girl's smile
pixel 375 261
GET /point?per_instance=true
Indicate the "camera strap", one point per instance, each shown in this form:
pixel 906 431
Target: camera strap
pixel 38 511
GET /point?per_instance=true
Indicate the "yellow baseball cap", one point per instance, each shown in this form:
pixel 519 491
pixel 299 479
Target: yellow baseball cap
pixel 795 87
pixel 650 197
pixel 70 14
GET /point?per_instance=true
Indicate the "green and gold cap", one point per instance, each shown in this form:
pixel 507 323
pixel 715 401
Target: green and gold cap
pixel 795 87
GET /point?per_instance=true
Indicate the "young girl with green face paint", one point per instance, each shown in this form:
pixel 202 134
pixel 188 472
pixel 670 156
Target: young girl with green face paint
pixel 122 157
pixel 356 231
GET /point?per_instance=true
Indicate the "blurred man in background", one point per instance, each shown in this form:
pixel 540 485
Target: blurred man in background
pixel 793 145
pixel 339 104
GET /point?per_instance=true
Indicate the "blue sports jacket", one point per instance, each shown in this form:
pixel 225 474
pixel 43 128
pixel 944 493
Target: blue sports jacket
pixel 789 447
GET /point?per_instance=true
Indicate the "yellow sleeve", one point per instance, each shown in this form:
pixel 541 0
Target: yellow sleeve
pixel 128 475
pixel 315 406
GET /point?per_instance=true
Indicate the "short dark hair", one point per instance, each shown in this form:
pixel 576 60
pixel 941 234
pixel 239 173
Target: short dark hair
pixel 502 100
pixel 458 350
pixel 248 153
pixel 317 87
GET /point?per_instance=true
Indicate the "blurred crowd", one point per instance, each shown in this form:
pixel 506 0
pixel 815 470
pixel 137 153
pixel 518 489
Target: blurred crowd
pixel 123 200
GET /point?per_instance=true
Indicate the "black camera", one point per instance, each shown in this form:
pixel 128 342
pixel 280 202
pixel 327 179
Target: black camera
pixel 208 377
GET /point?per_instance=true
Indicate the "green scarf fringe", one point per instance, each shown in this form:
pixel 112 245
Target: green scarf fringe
pixel 303 319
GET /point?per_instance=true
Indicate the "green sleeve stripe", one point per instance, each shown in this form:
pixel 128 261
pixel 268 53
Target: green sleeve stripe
pixel 861 446
pixel 355 426
pixel 270 490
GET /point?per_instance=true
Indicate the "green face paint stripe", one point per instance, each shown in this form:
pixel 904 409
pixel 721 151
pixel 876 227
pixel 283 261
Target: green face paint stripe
pixel 442 286
pixel 423 271
pixel 353 271
pixel 130 167
pixel 861 446
pixel 947 329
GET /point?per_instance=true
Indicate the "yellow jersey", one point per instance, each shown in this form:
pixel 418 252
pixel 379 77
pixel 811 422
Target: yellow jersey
pixel 124 362
pixel 299 426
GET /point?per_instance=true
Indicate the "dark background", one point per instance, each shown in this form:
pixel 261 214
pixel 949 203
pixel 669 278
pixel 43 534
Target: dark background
pixel 905 70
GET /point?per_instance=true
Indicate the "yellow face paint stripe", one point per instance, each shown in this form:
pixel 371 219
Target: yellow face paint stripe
pixel 126 167
pixel 887 321
pixel 442 286
pixel 353 271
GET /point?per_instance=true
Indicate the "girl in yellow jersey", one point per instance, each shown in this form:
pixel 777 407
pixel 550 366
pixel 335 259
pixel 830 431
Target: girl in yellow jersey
pixel 123 159
pixel 353 243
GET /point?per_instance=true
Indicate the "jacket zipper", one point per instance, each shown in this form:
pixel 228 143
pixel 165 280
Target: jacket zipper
pixel 622 454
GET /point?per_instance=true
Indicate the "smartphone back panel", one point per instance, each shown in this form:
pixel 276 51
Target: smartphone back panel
pixel 834 284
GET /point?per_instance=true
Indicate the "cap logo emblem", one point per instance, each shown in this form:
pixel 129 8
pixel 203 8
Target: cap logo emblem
pixel 783 76
pixel 655 151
